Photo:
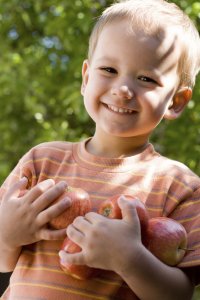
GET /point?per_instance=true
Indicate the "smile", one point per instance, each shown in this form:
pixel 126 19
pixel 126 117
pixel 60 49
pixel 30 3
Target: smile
pixel 120 110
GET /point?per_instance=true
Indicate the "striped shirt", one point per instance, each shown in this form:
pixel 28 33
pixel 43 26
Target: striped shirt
pixel 167 187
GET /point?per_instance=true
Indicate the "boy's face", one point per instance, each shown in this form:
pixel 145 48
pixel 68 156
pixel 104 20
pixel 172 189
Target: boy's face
pixel 131 82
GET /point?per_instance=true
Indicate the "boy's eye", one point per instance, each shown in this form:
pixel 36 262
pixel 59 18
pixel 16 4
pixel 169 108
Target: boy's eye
pixel 109 70
pixel 146 79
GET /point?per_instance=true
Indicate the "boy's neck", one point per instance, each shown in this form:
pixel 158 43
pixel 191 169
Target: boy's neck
pixel 116 147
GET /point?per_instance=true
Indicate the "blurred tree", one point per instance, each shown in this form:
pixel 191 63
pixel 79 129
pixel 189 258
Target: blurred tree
pixel 43 44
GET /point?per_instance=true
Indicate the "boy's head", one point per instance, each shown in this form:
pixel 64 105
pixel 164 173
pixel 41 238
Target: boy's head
pixel 152 17
pixel 144 56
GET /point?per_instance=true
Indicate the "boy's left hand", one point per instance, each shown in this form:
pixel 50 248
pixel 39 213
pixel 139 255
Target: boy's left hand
pixel 106 243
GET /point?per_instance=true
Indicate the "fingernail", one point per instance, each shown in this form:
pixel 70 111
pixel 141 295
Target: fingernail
pixel 24 179
pixel 64 183
pixel 61 254
pixel 122 197
pixel 66 201
pixel 44 185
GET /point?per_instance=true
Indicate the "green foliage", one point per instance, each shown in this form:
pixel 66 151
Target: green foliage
pixel 196 294
pixel 42 46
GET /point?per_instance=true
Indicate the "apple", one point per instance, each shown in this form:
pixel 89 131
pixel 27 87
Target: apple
pixel 81 272
pixel 110 208
pixel 167 240
pixel 80 205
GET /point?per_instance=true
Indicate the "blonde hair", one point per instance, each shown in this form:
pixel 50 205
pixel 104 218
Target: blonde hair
pixel 151 16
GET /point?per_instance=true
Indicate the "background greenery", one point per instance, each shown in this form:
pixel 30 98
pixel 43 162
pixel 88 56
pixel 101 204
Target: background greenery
pixel 42 46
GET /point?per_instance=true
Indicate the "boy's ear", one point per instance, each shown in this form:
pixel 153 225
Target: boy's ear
pixel 179 101
pixel 85 75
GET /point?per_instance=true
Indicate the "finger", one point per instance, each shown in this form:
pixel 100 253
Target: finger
pixel 75 258
pixel 39 189
pixel 49 196
pixel 129 212
pixel 93 217
pixel 81 223
pixel 50 235
pixel 75 235
pixel 15 189
pixel 53 211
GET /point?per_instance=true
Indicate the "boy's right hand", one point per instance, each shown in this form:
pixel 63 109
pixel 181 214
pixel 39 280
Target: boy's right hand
pixel 24 220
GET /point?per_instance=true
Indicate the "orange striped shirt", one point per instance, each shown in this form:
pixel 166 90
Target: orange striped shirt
pixel 168 188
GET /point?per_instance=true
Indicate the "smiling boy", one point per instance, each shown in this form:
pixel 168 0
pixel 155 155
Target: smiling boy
pixel 140 69
pixel 130 84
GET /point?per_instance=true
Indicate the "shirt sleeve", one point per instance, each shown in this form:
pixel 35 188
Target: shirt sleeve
pixel 188 214
pixel 25 167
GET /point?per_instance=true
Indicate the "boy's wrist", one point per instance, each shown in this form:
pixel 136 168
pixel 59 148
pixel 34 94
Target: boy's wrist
pixel 132 258
pixel 9 257
pixel 9 247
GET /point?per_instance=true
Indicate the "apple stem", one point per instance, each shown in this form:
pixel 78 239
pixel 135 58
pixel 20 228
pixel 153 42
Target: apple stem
pixel 187 249
pixel 69 189
pixel 106 212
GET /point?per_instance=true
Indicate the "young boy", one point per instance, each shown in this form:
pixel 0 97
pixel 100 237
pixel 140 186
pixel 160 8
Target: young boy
pixel 143 60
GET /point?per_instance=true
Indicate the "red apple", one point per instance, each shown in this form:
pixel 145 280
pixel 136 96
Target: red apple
pixel 110 208
pixel 80 205
pixel 167 240
pixel 77 271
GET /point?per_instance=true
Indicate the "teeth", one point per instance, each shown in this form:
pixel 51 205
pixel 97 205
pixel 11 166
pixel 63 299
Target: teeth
pixel 120 110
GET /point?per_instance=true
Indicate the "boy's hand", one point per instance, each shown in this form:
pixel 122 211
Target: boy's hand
pixel 24 220
pixel 106 243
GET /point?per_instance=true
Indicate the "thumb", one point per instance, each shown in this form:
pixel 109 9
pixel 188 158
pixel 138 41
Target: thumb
pixel 128 209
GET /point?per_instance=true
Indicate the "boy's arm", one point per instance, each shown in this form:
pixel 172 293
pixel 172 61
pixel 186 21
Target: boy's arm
pixel 24 220
pixel 148 277
pixel 9 254
pixel 8 259
pixel 151 279
pixel 116 245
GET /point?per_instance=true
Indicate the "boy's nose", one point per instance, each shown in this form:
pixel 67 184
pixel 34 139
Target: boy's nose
pixel 122 92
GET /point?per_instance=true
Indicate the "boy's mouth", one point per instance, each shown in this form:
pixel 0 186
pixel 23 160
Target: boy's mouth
pixel 119 110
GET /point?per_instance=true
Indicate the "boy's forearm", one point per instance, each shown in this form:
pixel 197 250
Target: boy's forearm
pixel 8 258
pixel 150 279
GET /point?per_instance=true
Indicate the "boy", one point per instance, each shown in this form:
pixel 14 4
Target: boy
pixel 143 60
